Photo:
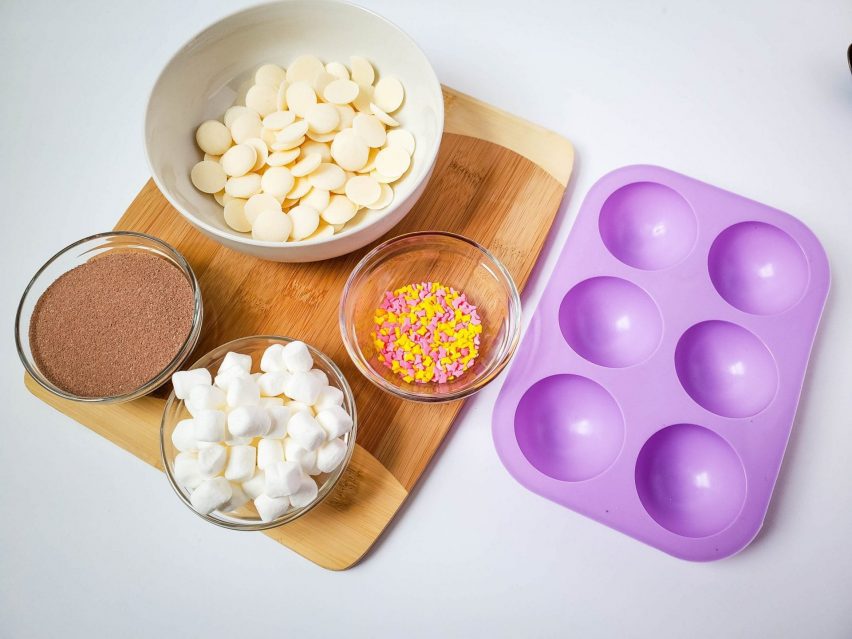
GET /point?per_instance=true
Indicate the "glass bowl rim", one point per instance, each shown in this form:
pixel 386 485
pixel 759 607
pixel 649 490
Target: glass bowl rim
pixel 329 484
pixel 162 376
pixel 513 319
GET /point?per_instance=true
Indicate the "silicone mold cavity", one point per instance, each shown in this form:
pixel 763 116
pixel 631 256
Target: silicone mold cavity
pixel 690 480
pixel 611 322
pixel 648 225
pixel 726 369
pixel 657 384
pixel 569 427
pixel 758 268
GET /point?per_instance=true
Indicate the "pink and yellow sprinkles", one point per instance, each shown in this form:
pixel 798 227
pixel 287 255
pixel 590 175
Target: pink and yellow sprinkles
pixel 427 332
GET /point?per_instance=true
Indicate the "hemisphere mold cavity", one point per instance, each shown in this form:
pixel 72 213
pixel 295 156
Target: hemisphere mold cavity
pixel 758 268
pixel 569 427
pixel 726 369
pixel 648 226
pixel 690 480
pixel 611 322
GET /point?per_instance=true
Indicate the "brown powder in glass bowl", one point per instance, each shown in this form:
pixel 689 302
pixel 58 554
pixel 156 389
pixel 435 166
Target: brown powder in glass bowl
pixel 109 326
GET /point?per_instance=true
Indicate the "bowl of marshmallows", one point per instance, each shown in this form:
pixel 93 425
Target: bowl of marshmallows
pixel 257 432
pixel 295 131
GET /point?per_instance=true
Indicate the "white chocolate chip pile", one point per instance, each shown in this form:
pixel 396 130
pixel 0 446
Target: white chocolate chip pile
pixel 256 440
pixel 311 147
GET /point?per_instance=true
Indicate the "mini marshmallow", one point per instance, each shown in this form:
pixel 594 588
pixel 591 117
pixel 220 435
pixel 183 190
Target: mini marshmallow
pixel 206 397
pixel 269 451
pixel 297 358
pixel 269 402
pixel 243 392
pixel 210 495
pixel 238 499
pixel 279 415
pixel 183 436
pixel 273 359
pixel 209 426
pixel 229 376
pixel 282 479
pixel 320 375
pixel 184 381
pixel 186 470
pixel 330 455
pixel 193 410
pixel 270 508
pixel 303 387
pixel 211 460
pixel 329 396
pixel 255 486
pixel 272 384
pixel 299 407
pixel 335 421
pixel 248 421
pixel 307 459
pixel 241 463
pixel 232 359
pixel 305 431
pixel 305 494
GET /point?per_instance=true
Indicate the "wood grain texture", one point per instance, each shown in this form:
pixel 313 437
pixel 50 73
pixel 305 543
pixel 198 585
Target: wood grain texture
pixel 498 180
pixel 466 115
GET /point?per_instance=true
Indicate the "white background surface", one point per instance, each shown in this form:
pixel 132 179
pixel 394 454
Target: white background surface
pixel 755 97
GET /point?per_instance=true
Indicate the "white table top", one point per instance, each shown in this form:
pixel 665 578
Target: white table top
pixel 754 97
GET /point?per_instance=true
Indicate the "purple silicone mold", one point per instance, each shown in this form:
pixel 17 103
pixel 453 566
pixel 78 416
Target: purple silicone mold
pixel 656 386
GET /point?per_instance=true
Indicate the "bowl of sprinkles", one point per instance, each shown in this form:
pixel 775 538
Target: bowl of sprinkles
pixel 427 332
pixel 430 316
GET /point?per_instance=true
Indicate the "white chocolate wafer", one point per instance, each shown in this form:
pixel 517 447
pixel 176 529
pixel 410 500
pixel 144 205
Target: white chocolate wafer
pixel 259 203
pixel 363 190
pixel 388 94
pixel 271 226
pixel 340 92
pixel 349 150
pixel 244 186
pixel 270 74
pixel 304 68
pixel 362 70
pixel 262 99
pixel 340 210
pixel 305 221
pixel 369 129
pixel 239 160
pixel 235 215
pixel 213 137
pixel 338 70
pixel 208 177
pixel 300 98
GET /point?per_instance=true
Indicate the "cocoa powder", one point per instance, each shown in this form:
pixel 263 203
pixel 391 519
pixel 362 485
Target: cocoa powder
pixel 112 324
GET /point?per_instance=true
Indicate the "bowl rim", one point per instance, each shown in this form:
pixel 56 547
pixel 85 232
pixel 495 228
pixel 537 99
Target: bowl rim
pixel 514 321
pixel 337 237
pixel 324 491
pixel 155 382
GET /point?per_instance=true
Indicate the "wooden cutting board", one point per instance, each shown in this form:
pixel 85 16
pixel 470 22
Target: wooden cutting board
pixel 498 180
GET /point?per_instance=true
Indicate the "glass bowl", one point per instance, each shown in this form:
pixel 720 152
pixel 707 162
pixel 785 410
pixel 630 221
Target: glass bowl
pixel 454 261
pixel 176 411
pixel 77 254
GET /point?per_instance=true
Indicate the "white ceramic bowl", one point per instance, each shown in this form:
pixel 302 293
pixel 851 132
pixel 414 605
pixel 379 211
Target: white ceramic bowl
pixel 209 72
